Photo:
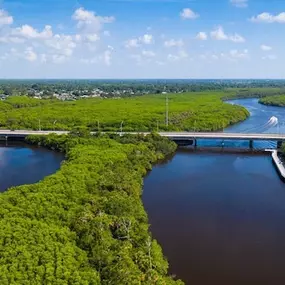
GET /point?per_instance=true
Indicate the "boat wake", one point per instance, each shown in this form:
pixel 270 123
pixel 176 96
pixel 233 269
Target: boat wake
pixel 271 123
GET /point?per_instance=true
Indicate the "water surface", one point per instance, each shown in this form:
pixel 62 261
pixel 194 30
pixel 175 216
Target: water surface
pixel 24 164
pixel 220 217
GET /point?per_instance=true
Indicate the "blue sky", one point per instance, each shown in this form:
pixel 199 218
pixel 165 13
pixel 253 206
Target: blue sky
pixel 142 39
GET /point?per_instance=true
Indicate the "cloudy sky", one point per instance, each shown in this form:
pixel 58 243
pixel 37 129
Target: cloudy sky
pixel 142 39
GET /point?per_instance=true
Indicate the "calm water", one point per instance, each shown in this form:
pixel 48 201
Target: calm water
pixel 220 217
pixel 23 164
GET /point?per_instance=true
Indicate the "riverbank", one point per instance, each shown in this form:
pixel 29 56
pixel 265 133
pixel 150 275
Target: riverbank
pixel 278 164
pixel 278 101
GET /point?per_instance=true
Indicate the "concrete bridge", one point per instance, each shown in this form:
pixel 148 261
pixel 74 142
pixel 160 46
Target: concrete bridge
pixel 179 137
pixel 183 137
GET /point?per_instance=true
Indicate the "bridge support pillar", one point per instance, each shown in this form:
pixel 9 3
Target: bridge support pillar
pixel 195 142
pixel 251 144
pixel 279 144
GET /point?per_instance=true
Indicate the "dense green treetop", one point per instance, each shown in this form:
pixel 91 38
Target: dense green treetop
pixel 278 100
pixel 112 88
pixel 85 224
pixel 188 111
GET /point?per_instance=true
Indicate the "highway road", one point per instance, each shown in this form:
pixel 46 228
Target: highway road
pixel 170 135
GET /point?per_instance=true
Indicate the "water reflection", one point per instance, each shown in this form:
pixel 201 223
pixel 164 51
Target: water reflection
pixel 22 164
pixel 220 216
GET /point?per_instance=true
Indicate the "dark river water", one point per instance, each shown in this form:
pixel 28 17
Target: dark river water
pixel 23 164
pixel 220 217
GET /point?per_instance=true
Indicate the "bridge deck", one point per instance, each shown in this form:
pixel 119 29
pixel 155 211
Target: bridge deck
pixel 224 136
pixel 171 135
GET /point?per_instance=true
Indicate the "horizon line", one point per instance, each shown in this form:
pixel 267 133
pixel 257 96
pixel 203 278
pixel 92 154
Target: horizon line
pixel 74 78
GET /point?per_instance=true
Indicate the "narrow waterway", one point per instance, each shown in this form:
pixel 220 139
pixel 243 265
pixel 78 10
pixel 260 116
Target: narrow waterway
pixel 24 164
pixel 220 217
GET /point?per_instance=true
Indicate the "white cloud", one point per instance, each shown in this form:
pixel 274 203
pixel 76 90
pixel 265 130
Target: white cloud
pixel 132 43
pixel 174 43
pixel 61 45
pixel 187 13
pixel 5 18
pixel 239 3
pixel 266 48
pixel 179 56
pixel 92 38
pixel 148 53
pixel 239 54
pixel 202 36
pixel 269 18
pixel 146 39
pixel 236 38
pixel 29 32
pixel 89 22
pixel 219 34
pixel 30 55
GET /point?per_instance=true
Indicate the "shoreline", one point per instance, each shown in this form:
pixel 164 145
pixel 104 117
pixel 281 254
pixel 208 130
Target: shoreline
pixel 278 165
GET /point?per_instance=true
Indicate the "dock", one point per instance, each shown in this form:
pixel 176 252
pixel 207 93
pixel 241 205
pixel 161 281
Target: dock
pixel 279 165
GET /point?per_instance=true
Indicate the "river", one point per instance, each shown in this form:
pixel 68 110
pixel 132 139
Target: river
pixel 24 164
pixel 220 217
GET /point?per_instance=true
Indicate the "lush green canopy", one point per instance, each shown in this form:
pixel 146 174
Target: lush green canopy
pixel 85 224
pixel 278 100
pixel 189 111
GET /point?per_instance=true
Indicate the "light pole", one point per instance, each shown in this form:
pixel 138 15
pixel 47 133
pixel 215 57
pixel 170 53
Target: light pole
pixel 98 122
pixel 157 125
pixel 122 127
pixel 54 124
pixel 166 110
pixel 39 125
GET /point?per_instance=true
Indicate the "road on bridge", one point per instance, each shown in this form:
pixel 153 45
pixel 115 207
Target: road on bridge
pixel 170 135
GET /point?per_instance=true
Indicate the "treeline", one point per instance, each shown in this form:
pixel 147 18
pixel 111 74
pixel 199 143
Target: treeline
pixel 85 224
pixel 273 100
pixel 202 111
pixel 252 92
pixel 128 87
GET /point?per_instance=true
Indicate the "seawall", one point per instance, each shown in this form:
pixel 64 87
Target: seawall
pixel 278 164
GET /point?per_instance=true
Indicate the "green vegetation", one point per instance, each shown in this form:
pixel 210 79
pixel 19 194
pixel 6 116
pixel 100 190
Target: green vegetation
pixel 273 100
pixel 85 224
pixel 252 92
pixel 188 111
pixel 25 101
pixel 125 88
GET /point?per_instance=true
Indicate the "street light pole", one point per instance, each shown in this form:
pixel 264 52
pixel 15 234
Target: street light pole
pixel 98 126
pixel 122 127
pixel 167 110
pixel 39 125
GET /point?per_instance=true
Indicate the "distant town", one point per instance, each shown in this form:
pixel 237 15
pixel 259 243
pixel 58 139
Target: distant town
pixel 70 90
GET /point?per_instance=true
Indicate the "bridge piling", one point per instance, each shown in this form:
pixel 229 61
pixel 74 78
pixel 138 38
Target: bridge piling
pixel 251 144
pixel 279 144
